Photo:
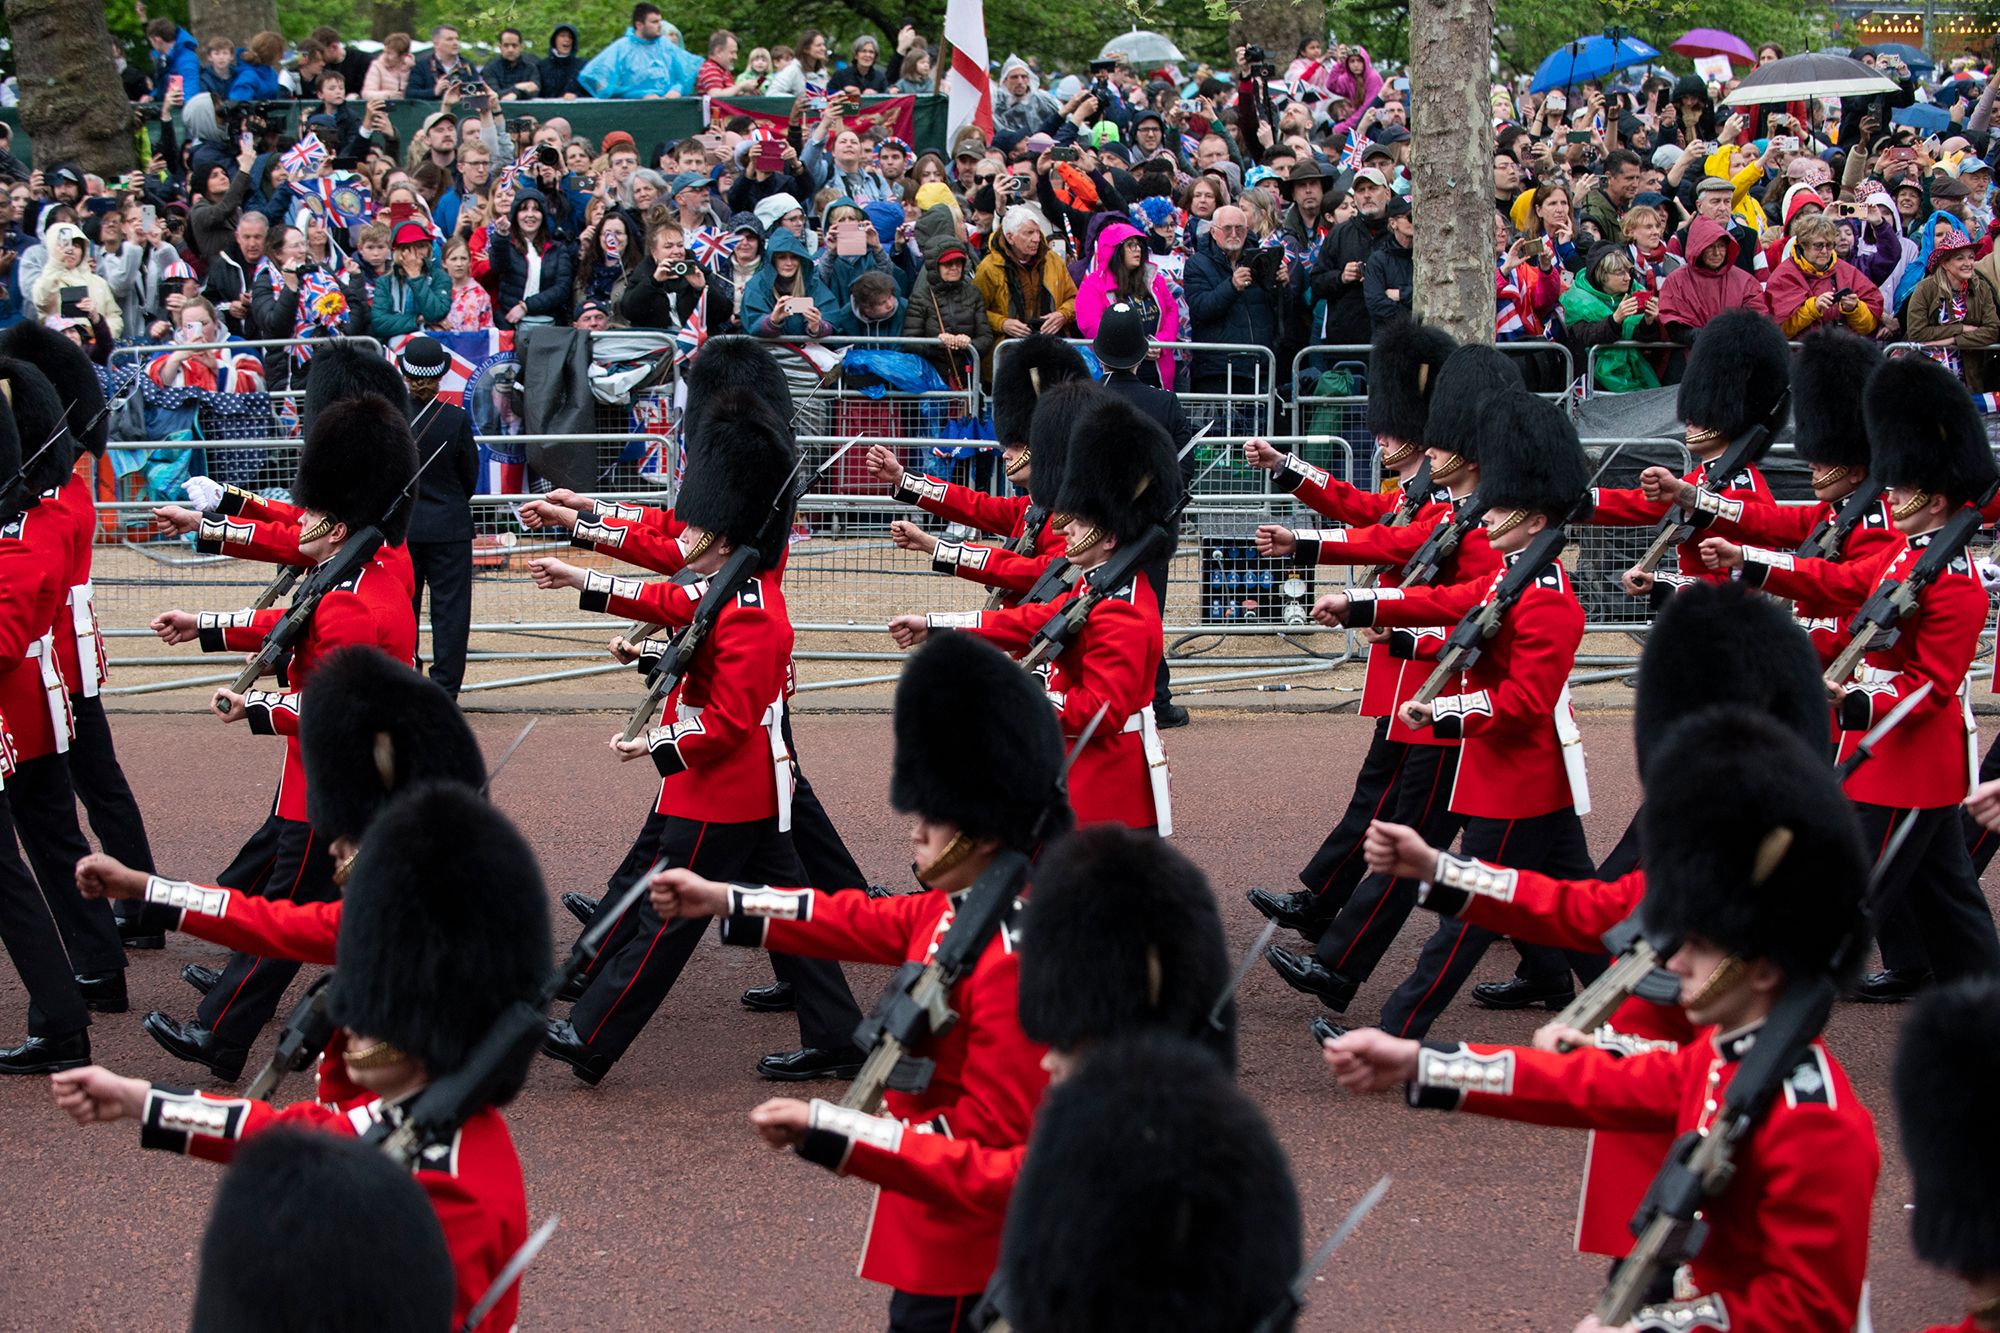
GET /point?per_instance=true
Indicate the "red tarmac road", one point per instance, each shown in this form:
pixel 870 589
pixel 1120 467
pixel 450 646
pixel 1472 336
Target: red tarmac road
pixel 675 1217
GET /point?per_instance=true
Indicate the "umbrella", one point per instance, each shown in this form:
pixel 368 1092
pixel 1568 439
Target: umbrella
pixel 1142 49
pixel 1922 117
pixel 1589 58
pixel 1911 56
pixel 1714 42
pixel 1798 78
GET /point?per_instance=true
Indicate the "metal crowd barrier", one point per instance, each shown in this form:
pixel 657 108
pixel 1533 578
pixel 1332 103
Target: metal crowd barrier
pixel 1547 367
pixel 1248 403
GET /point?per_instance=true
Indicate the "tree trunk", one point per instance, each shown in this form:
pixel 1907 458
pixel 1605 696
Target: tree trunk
pixel 1278 26
pixel 387 16
pixel 1452 170
pixel 238 20
pixel 72 104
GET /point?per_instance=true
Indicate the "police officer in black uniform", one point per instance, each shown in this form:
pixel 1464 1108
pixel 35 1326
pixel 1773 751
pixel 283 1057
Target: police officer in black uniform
pixel 440 542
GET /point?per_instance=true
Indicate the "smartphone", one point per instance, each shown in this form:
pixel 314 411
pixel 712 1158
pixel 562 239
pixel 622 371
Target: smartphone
pixel 149 217
pixel 1577 136
pixel 478 103
pixel 1022 184
pixel 1065 153
pixel 848 242
pixel 72 302
pixel 174 85
pixel 520 124
pixel 1191 105
pixel 401 211
pixel 770 156
pixel 1788 143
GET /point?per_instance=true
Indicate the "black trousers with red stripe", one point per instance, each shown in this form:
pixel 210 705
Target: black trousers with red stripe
pixel 1358 937
pixel 1336 868
pixel 911 1313
pixel 45 819
pixel 1551 843
pixel 1932 904
pixel 283 859
pixel 34 944
pixel 631 984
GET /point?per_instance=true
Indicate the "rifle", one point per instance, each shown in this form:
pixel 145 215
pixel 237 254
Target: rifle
pixel 1444 541
pixel 305 1035
pixel 673 660
pixel 1061 575
pixel 445 1104
pixel 1295 1298
pixel 1416 494
pixel 510 1273
pixel 1829 539
pixel 353 555
pixel 1701 1164
pixel 1873 627
pixel 1061 626
pixel 1468 637
pixel 916 1005
pixel 1686 518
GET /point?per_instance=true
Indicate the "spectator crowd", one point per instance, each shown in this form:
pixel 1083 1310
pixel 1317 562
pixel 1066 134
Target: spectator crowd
pixel 1250 206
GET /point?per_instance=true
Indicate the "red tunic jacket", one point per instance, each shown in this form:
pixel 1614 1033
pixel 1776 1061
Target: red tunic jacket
pixel 1631 508
pixel 1514 712
pixel 1787 1250
pixel 1012 572
pixel 1112 659
pixel 372 608
pixel 79 640
pixel 474 1182
pixel 1927 762
pixel 244 923
pixel 640 534
pixel 718 746
pixel 1575 914
pixel 1784 527
pixel 984 1090
pixel 252 527
pixel 34 585
pixel 1398 668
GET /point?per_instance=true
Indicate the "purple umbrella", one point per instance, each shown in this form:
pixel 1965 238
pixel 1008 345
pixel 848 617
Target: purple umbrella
pixel 1715 42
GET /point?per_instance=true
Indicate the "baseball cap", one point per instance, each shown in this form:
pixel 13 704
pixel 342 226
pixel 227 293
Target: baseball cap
pixel 1372 176
pixel 953 250
pixel 434 117
pixel 688 180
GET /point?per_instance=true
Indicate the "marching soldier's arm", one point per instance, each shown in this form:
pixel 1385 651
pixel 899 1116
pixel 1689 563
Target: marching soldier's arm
pixel 1528 905
pixel 1626 507
pixel 650 546
pixel 653 601
pixel 204 1125
pixel 239 503
pixel 1406 608
pixel 1008 628
pixel 1371 545
pixel 1953 612
pixel 236 631
pixel 1838 582
pixel 1341 501
pixel 1584 1089
pixel 848 927
pixel 1761 521
pixel 272 540
pixel 997 514
pixel 267 927
pixel 958 1174
pixel 659 518
pixel 1547 628
pixel 994 566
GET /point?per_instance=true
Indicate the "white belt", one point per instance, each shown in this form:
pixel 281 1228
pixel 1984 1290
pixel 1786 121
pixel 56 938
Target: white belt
pixel 1571 737
pixel 1869 675
pixel 1156 767
pixel 89 649
pixel 782 772
pixel 44 651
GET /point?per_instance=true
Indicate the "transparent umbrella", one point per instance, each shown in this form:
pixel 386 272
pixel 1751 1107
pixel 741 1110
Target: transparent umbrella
pixel 1142 48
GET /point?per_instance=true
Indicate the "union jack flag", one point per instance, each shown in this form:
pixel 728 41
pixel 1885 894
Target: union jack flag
pixel 306 157
pixel 459 371
pixel 711 248
pixel 1350 158
pixel 178 268
pixel 1190 147
pixel 694 333
pixel 315 286
pixel 524 167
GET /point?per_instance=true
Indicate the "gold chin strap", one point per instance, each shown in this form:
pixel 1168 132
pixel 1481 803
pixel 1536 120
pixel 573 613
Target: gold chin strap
pixel 1090 539
pixel 701 545
pixel 341 871
pixel 1401 454
pixel 1019 461
pixel 1833 476
pixel 1701 435
pixel 317 530
pixel 1506 525
pixel 1912 506
pixel 1450 468
pixel 1723 979
pixel 951 858
pixel 378 1056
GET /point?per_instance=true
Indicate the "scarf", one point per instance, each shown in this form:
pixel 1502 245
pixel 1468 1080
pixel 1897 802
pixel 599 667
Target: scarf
pixel 1951 310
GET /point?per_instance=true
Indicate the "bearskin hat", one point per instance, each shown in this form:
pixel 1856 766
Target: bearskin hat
pixel 1471 377
pixel 740 482
pixel 1773 869
pixel 1056 414
pixel 1120 472
pixel 741 365
pixel 1720 643
pixel 1829 376
pixel 1122 935
pixel 1737 372
pixel 977 745
pixel 293 1203
pixel 1529 456
pixel 1026 370
pixel 1153 1196
pixel 341 369
pixel 10 446
pixel 445 925
pixel 357 460
pixel 38 417
pixel 1926 432
pixel 1947 1060
pixel 1403 368
pixel 374 728
pixel 68 368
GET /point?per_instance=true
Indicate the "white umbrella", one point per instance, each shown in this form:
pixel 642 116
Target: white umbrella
pixel 1142 48
pixel 1803 77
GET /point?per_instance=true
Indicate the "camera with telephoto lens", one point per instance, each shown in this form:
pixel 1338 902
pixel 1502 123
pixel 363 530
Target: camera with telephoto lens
pixel 1260 62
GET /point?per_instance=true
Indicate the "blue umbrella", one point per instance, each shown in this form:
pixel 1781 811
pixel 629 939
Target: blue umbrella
pixel 1918 62
pixel 1921 117
pixel 1589 58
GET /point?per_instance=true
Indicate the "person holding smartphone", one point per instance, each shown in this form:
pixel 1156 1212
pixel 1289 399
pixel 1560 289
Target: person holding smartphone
pixel 1602 307
pixel 786 299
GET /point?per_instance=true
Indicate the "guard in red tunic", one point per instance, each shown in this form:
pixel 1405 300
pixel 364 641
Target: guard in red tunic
pixel 1408 363
pixel 727 783
pixel 94 770
pixel 979 763
pixel 1947 1073
pixel 1521 783
pixel 1712 643
pixel 445 927
pixel 1737 375
pixel 34 695
pixel 58 1024
pixel 1120 481
pixel 1154 1196
pixel 357 460
pixel 1932 454
pixel 1761 892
